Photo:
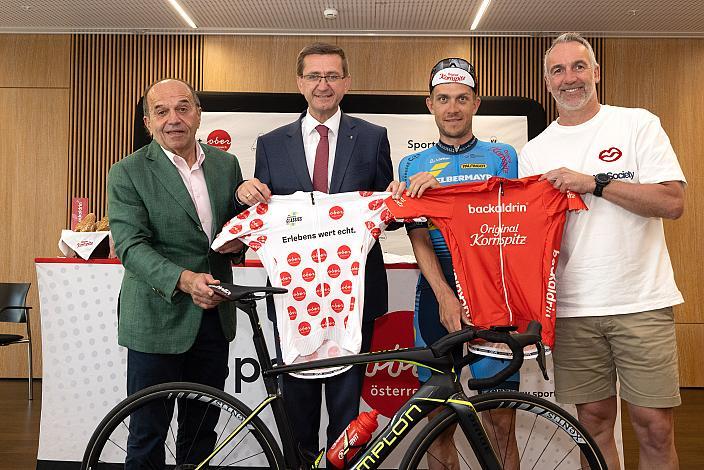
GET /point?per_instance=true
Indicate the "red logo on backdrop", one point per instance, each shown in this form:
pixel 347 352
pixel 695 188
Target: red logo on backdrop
pixel 243 215
pixel 319 255
pixel 365 193
pixel 355 268
pixel 333 271
pixel 388 386
pixel 313 309
pixel 386 216
pixel 292 314
pixel 375 204
pixel 336 212
pixel 304 328
pixel 220 139
pixel 255 245
pixel 346 287
pixel 337 305
pixel 294 259
pixel 236 229
pixel 256 224
pixel 344 252
pixel 329 321
pixel 323 290
pixel 285 278
pixel 262 208
pixel 299 293
pixel 308 274
pixel 610 155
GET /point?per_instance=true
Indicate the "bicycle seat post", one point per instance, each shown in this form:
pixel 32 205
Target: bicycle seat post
pixel 249 306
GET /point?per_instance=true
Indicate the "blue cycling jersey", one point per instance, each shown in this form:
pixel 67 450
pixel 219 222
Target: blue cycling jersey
pixel 473 161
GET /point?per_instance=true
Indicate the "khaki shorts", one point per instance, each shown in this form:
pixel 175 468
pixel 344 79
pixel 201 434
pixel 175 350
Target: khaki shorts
pixel 640 347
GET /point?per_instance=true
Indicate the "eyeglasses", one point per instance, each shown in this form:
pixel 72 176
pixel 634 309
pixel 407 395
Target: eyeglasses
pixel 316 77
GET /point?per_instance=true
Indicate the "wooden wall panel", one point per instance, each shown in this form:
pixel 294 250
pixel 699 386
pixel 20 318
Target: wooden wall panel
pixel 33 151
pixel 109 74
pixel 34 60
pixel 253 63
pixel 689 346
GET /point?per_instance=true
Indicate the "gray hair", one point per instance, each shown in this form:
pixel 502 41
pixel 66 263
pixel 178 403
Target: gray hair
pixel 569 37
pixel 145 101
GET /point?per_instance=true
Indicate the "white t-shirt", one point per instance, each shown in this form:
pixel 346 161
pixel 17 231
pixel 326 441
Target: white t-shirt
pixel 315 245
pixel 612 261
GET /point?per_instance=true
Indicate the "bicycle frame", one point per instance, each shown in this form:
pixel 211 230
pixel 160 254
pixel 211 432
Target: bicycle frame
pixel 443 389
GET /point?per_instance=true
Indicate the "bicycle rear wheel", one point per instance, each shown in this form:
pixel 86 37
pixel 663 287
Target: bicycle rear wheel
pixel 253 446
pixel 546 437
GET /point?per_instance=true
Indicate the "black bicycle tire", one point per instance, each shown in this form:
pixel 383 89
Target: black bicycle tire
pixel 123 409
pixel 501 400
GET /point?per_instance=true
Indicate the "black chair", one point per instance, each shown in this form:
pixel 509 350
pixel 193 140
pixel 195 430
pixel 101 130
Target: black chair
pixel 13 309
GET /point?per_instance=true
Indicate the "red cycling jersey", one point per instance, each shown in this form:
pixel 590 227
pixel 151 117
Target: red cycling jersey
pixel 504 238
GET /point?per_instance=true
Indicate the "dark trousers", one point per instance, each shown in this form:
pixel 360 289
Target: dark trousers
pixel 303 400
pixel 205 363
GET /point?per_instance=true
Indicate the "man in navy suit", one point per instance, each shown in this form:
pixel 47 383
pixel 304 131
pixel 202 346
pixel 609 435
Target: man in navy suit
pixel 356 158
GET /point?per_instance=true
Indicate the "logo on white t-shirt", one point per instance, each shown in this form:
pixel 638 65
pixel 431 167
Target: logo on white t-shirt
pixel 610 155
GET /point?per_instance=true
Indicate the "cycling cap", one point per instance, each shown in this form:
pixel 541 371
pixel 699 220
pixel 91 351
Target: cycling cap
pixel 453 70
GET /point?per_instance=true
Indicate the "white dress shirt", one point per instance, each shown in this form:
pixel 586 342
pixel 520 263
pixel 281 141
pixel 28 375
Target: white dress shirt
pixel 311 139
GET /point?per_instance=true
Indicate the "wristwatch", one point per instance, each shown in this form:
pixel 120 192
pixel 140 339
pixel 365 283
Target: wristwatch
pixel 601 180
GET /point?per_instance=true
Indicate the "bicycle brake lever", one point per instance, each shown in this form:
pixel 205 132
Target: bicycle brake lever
pixel 541 359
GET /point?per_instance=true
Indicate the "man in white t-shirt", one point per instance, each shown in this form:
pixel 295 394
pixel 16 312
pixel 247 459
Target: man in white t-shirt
pixel 616 287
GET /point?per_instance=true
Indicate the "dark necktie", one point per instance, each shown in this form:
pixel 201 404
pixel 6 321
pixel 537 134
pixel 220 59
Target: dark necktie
pixel 320 167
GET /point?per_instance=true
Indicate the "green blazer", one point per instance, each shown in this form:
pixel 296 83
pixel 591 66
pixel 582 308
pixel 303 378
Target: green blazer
pixel 157 235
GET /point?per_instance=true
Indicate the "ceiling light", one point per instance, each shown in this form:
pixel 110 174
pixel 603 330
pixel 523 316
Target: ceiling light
pixel 183 14
pixel 330 14
pixel 480 13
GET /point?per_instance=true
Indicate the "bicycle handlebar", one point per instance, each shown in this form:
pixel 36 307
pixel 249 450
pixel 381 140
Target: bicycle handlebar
pixel 516 342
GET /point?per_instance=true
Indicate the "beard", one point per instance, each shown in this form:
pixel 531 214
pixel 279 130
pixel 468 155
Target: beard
pixel 575 102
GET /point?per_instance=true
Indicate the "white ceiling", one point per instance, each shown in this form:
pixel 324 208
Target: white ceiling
pixel 664 18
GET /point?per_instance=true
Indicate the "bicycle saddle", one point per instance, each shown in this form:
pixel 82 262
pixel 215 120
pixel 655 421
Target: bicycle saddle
pixel 235 292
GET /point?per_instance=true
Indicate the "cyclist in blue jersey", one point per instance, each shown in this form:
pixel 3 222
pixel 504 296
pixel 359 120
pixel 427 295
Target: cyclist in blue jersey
pixel 458 157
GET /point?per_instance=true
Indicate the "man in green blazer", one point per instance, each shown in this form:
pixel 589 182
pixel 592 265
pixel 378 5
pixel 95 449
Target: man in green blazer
pixel 166 202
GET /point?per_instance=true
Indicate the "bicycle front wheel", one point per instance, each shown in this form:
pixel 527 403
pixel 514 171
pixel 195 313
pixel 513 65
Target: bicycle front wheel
pixel 250 444
pixel 525 432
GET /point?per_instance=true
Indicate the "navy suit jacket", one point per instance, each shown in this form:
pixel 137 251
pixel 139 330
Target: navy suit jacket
pixel 362 163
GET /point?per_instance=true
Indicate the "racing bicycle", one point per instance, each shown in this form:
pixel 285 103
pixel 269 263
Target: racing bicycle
pixel 547 436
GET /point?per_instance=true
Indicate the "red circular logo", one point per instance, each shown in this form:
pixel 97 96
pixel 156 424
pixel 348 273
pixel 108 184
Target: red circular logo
pixel 304 328
pixel 344 252
pixel 285 278
pixel 294 259
pixel 333 271
pixel 219 139
pixel 299 293
pixel 336 212
pixel 376 233
pixel 376 204
pixel 262 207
pixel 329 321
pixel 261 239
pixel 355 268
pixel 365 193
pixel 243 215
pixel 323 290
pixel 313 309
pixel 255 245
pixel 369 224
pixel 292 314
pixel 308 274
pixel 235 229
pixel 319 255
pixel 256 224
pixel 386 216
pixel 346 287
pixel 337 305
